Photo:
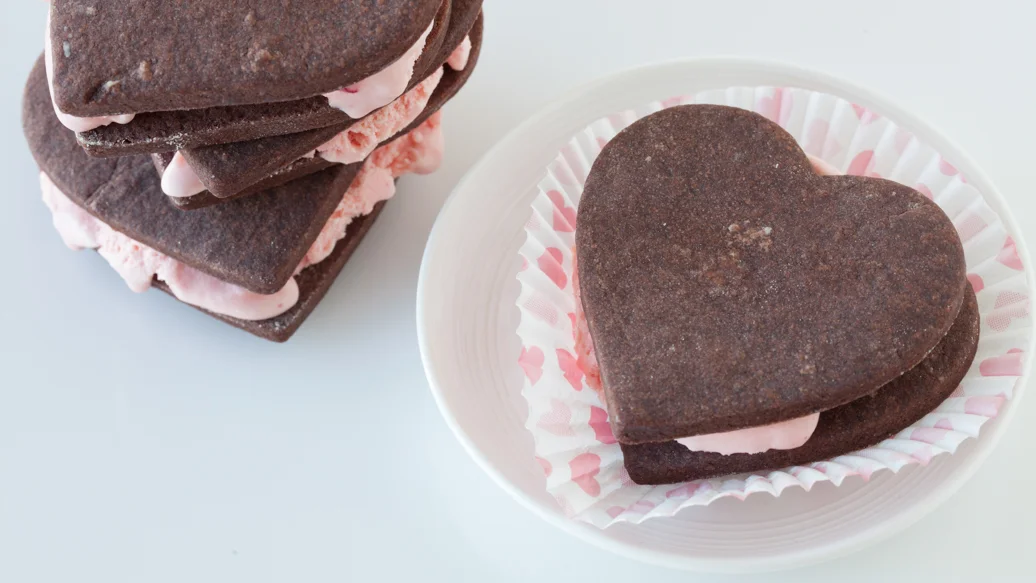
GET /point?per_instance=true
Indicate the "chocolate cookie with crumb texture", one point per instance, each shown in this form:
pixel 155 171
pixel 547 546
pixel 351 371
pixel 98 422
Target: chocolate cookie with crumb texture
pixel 726 285
pixel 136 56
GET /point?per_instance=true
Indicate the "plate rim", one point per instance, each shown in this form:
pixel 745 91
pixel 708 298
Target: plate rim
pixel 982 447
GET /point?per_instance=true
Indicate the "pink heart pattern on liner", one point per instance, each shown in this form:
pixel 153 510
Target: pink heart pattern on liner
pixel 599 423
pixel 531 361
pixel 1010 306
pixel 585 468
pixel 866 116
pixel 570 367
pixel 558 420
pixel 947 168
pixel 564 216
pixel 1007 365
pixel 543 309
pixel 774 107
pixel 550 264
pixel 547 468
pixel 969 226
pixel 976 282
pixel 862 165
pixel 1009 255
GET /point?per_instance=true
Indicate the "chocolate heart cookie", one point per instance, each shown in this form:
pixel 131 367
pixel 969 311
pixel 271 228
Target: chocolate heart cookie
pixel 190 55
pixel 727 285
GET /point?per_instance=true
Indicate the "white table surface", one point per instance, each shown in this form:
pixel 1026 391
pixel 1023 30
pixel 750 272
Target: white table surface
pixel 143 442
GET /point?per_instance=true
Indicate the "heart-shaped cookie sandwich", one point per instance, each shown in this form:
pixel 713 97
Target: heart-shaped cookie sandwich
pixel 359 54
pixel 309 111
pixel 730 287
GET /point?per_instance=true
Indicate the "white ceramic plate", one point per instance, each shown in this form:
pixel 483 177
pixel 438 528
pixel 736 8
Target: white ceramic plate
pixel 466 319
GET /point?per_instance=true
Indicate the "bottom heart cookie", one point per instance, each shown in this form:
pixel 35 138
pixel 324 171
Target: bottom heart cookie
pixel 858 425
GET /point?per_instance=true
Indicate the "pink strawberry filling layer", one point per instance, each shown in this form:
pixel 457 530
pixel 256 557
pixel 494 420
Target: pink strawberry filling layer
pixel 180 180
pixel 351 146
pixel 782 436
pixel 357 142
pixel 785 435
pixel 458 60
pixel 420 151
pixel 381 88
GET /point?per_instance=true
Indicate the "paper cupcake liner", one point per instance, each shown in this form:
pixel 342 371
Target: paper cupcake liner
pixel 574 442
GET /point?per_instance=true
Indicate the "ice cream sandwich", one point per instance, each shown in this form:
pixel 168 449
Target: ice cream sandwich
pixel 745 312
pixel 111 62
pixel 281 128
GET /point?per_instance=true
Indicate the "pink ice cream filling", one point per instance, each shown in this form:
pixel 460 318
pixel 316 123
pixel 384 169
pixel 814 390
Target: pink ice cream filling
pixel 357 142
pixel 458 60
pixel 179 180
pixel 352 145
pixel 381 88
pixel 138 264
pixel 76 124
pixel 420 151
pixel 785 435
